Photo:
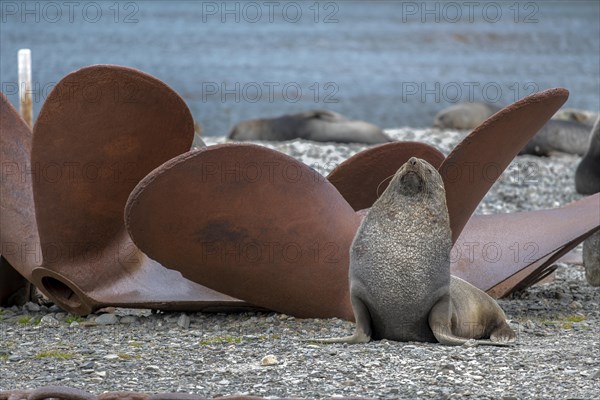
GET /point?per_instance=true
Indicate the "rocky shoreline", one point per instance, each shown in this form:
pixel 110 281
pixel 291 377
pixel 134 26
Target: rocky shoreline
pixel 558 326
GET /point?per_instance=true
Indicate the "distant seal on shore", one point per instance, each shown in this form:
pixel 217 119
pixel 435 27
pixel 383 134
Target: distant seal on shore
pixel 316 125
pixel 400 283
pixel 583 116
pixel 464 115
pixel 587 174
pixel 559 135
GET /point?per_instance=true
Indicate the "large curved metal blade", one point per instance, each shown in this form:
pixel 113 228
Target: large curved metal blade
pixel 20 244
pixel 364 176
pixel 250 222
pixel 474 165
pixel 501 252
pixel 100 131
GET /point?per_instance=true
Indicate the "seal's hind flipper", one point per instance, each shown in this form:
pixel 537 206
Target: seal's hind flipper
pixel 441 317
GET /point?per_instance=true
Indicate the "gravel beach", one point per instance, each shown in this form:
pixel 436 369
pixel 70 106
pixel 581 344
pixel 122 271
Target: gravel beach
pixel 558 325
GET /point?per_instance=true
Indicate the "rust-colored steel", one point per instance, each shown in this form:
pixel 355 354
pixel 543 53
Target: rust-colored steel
pixel 363 177
pixel 100 131
pixel 498 252
pixel 250 205
pixel 18 229
pixel 14 288
pixel 68 393
pixel 250 222
pixel 474 165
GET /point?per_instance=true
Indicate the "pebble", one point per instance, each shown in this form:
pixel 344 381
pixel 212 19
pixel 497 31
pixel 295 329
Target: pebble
pixel 183 321
pixel 269 360
pixel 128 319
pixel 54 309
pixel 29 306
pixel 106 319
pixel 49 320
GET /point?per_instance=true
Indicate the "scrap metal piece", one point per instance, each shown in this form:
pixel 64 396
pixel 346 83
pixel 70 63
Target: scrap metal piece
pixel 497 252
pixel 14 288
pixel 18 229
pixel 101 130
pixel 250 222
pixel 363 177
pixel 477 161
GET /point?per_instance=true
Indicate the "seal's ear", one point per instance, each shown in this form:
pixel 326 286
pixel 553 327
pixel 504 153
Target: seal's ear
pixel 364 176
pixel 478 160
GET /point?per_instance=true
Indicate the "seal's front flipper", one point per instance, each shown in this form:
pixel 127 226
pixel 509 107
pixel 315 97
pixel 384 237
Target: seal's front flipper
pixel 362 334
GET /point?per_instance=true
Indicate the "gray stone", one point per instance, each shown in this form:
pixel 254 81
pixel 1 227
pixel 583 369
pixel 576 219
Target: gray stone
pixel 49 320
pixel 183 321
pixel 129 319
pixel 107 319
pixel 31 307
pixel 55 309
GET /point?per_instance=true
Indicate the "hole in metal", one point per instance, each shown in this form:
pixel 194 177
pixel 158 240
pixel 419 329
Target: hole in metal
pixel 61 292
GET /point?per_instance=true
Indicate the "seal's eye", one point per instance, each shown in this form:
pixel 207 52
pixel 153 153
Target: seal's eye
pixel 429 170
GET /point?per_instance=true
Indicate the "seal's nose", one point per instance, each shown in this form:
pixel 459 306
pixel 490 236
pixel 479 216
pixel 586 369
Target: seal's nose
pixel 412 161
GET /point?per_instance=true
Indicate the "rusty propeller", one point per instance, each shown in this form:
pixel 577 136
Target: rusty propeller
pixel 100 131
pixel 232 230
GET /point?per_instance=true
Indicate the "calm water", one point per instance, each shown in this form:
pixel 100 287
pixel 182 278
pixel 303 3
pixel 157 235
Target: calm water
pixel 391 63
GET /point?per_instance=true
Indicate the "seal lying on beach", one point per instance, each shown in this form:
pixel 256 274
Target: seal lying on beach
pixel 583 116
pixel 400 283
pixel 464 115
pixel 558 135
pixel 317 125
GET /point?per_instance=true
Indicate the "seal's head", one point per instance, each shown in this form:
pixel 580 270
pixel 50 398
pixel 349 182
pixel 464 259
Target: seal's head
pixel 416 178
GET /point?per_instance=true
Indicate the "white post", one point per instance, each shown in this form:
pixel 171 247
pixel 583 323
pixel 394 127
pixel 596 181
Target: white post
pixel 25 86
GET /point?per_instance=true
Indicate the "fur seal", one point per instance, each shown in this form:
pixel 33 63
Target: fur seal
pixel 559 135
pixel 316 125
pixel 464 115
pixel 587 174
pixel 400 283
pixel 571 114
